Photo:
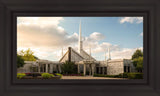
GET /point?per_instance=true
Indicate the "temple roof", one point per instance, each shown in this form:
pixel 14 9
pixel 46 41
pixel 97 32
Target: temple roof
pixel 73 56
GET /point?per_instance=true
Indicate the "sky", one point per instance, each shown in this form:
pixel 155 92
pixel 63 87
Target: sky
pixel 48 36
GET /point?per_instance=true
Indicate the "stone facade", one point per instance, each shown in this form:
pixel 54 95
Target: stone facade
pixel 115 67
pixel 26 68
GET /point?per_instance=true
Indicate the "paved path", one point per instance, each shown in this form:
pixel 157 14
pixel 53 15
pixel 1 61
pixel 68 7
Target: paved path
pixel 87 77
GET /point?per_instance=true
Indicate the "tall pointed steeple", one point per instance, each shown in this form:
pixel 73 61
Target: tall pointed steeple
pixel 109 55
pixel 80 43
pixel 105 56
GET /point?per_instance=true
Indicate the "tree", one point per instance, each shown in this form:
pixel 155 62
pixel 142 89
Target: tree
pixel 138 53
pixel 28 55
pixel 69 68
pixel 20 61
pixel 138 63
pixel 137 58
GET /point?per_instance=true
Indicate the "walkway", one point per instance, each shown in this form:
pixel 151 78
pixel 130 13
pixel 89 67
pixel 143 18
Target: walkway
pixel 88 77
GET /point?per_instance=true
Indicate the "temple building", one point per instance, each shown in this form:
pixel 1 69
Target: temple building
pixel 86 64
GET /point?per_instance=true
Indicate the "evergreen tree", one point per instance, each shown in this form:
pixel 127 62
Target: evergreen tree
pixel 138 53
pixel 137 58
pixel 20 61
pixel 69 68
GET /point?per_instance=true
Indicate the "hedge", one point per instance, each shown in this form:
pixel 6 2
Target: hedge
pixel 123 75
pixel 33 74
pixel 102 75
pixel 20 75
pixel 47 75
pixel 135 75
pixel 58 74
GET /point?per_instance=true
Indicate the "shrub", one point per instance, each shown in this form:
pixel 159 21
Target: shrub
pixel 123 75
pixel 114 76
pixel 69 68
pixel 47 75
pixel 102 75
pixel 135 75
pixel 73 74
pixel 59 75
pixel 20 61
pixel 20 75
pixel 33 74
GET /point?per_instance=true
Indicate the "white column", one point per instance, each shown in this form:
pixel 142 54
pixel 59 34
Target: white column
pixel 93 69
pixel 59 66
pixel 51 68
pixel 78 68
pixel 84 69
pixel 46 68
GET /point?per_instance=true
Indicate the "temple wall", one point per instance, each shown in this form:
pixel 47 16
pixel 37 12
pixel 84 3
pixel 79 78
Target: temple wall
pixel 129 63
pixel 25 68
pixel 115 67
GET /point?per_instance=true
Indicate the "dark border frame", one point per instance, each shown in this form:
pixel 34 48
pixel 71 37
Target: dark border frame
pixel 149 86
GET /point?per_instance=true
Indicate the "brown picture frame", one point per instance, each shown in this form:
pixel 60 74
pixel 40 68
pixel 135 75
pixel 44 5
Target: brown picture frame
pixel 10 9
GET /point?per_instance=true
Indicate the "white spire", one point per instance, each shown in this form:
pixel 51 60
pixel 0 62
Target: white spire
pixel 90 50
pixel 105 55
pixel 109 55
pixel 80 37
pixel 80 47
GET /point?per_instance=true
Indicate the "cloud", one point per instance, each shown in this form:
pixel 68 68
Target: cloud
pixel 125 53
pixel 96 36
pixel 131 20
pixel 44 36
pixel 43 31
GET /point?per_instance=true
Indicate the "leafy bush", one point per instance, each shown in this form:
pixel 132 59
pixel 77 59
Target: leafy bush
pixel 20 75
pixel 135 75
pixel 122 75
pixel 102 75
pixel 69 68
pixel 20 61
pixel 73 74
pixel 59 75
pixel 47 75
pixel 33 74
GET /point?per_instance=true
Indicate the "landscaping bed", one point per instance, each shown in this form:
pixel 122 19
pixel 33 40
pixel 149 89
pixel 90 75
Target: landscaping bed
pixel 123 75
pixel 73 75
pixel 42 76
